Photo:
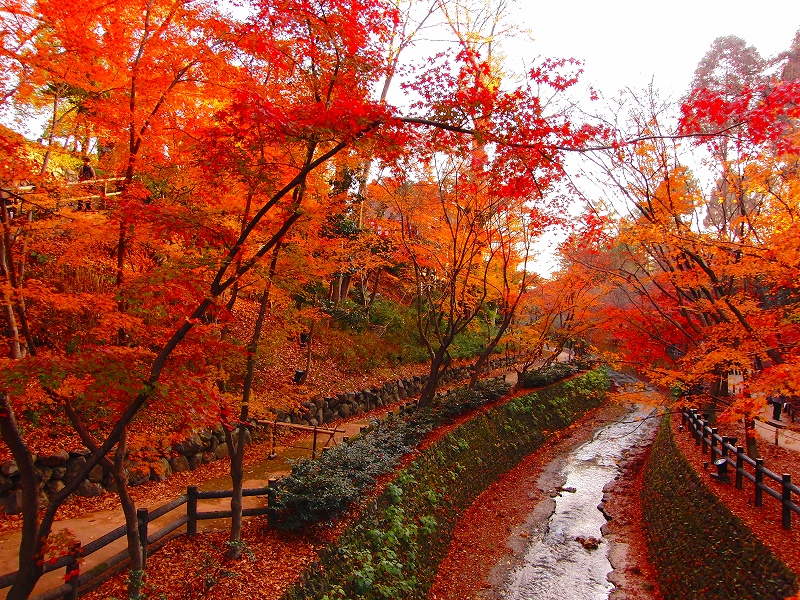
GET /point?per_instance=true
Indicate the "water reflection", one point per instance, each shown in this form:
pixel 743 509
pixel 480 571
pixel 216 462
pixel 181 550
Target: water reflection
pixel 559 566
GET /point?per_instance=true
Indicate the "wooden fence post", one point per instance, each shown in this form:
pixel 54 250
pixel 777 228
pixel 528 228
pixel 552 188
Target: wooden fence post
pixel 191 510
pixel 713 450
pixel 759 481
pixel 142 519
pixel 272 454
pixel 703 424
pixel 73 574
pixel 739 466
pixel 786 498
pixel 271 499
pixel 314 446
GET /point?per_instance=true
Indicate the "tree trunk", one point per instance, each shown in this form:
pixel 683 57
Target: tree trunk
pixel 12 331
pixel 344 286
pixel 136 571
pixel 236 450
pixel 13 300
pixel 117 469
pixel 310 343
pixel 751 443
pixel 31 563
pixel 439 363
pixel 372 295
pixel 487 352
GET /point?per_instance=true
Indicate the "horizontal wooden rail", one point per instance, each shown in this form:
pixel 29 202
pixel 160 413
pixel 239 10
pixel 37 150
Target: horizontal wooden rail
pixel 190 519
pixel 168 507
pixel 723 448
pixel 226 514
pixel 92 181
pixel 318 429
pixel 262 491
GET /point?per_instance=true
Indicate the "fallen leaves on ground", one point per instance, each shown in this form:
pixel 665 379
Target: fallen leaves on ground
pixel 764 521
pixel 495 525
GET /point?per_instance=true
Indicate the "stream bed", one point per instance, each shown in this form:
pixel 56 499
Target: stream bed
pixel 570 559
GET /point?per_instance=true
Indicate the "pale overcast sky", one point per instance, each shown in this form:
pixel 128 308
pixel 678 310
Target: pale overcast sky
pixel 626 42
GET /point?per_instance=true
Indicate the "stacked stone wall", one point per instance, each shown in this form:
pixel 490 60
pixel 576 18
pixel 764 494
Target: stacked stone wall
pixel 207 446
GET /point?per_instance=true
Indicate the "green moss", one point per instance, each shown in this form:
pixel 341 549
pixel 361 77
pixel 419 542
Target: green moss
pixel 700 549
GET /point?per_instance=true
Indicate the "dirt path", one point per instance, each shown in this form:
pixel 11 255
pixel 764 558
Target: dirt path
pixel 492 537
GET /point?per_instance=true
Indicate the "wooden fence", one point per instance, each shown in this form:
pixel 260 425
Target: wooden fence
pixel 76 580
pixel 724 454
pixel 96 189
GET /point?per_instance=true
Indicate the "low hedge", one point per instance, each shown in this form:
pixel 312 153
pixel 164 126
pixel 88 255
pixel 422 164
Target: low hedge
pixel 395 547
pixel 544 376
pixel 699 548
pixel 319 490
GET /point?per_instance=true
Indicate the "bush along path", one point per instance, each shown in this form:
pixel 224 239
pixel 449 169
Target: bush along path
pixel 393 549
pixel 700 548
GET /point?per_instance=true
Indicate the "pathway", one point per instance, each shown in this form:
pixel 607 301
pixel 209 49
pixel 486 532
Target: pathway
pixel 781 432
pixel 91 526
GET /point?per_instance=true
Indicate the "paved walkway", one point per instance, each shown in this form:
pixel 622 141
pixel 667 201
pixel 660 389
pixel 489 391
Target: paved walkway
pixel 780 432
pixel 91 526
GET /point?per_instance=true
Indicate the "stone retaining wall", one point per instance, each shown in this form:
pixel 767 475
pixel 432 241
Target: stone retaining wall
pixel 208 445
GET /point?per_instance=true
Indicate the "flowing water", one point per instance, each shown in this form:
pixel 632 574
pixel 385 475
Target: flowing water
pixel 559 566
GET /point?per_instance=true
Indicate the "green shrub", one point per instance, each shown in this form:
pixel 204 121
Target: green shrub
pixel 493 389
pixel 464 399
pixel 320 489
pixel 395 547
pixel 544 376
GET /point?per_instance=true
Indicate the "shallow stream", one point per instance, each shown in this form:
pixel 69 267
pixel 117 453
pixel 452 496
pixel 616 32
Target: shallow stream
pixel 563 564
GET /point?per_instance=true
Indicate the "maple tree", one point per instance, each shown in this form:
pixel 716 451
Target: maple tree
pixel 246 145
pixel 158 221
pixel 562 312
pixel 702 285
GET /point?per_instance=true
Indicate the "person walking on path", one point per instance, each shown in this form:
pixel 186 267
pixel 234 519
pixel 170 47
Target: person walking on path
pixel 86 174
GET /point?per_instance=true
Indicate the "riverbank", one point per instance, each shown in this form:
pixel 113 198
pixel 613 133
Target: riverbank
pixel 513 513
pixel 763 521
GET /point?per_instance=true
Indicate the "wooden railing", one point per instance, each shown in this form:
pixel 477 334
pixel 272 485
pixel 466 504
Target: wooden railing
pixel 723 453
pixel 71 562
pixel 94 186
